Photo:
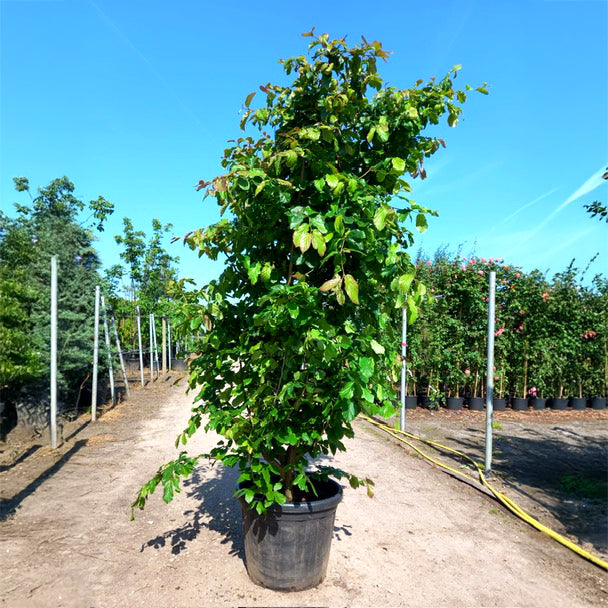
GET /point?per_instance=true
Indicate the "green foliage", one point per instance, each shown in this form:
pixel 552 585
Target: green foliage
pixel 550 335
pixel 299 335
pixel 47 227
pixel 597 208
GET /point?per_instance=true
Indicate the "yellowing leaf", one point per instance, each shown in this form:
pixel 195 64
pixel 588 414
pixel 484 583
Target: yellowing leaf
pixel 329 285
pixel 352 288
pixel 249 98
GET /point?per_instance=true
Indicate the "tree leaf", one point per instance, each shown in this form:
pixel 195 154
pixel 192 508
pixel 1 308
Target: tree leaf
pixel 332 180
pixel 405 280
pixel 297 235
pixel 366 368
pixel 329 285
pixel 352 288
pixel 421 223
pixel 249 98
pixel 380 217
pixel 377 347
pixel 398 164
pixel 348 390
pixel 339 225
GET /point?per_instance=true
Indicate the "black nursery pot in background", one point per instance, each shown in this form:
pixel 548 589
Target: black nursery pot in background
pixel 598 403
pixel 411 401
pixel 499 404
pixel 519 404
pixel 455 403
pixel 578 403
pixel 538 403
pixel 559 404
pixel 476 403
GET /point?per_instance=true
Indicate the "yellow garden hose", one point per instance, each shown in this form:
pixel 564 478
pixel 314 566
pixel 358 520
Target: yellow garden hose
pixel 507 502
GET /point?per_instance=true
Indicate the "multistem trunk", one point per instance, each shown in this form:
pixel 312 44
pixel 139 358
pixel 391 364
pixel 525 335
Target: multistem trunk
pixel 525 370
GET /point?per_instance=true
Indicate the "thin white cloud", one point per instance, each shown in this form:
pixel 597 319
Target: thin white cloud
pixel 536 200
pixel 591 184
pixel 152 69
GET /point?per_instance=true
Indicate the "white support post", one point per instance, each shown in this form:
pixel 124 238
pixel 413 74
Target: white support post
pixel 490 372
pixel 403 366
pixel 95 357
pixel 120 357
pixel 53 421
pixel 109 349
pixel 169 343
pixel 151 350
pixel 155 345
pixel 164 344
pixel 141 353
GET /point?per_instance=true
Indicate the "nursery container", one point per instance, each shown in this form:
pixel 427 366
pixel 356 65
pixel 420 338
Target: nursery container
pixel 411 401
pixel 538 403
pixel 499 404
pixel 519 404
pixel 598 403
pixel 455 403
pixel 287 549
pixel 558 404
pixel 578 403
pixel 476 403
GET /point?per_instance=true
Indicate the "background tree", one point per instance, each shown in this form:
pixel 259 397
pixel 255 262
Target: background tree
pixel 48 226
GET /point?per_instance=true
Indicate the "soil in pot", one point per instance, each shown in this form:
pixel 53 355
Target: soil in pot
pixel 499 404
pixel 287 549
pixel 476 403
pixel 578 403
pixel 538 403
pixel 559 404
pixel 598 403
pixel 519 404
pixel 455 403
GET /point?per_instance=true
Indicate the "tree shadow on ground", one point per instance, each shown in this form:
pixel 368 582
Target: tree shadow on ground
pixel 9 505
pixel 218 510
pixel 213 487
pixel 562 470
pixel 31 450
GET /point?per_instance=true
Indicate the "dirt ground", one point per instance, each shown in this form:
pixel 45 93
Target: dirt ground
pixel 425 539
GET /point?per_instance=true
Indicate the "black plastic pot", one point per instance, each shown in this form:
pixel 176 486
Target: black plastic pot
pixel 179 365
pixel 454 403
pixel 287 549
pixel 423 401
pixel 476 403
pixel 559 404
pixel 519 404
pixel 598 403
pixel 499 404
pixel 538 403
pixel 578 403
pixel 411 401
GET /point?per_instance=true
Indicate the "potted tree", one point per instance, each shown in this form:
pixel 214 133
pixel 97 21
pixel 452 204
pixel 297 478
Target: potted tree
pixel 298 326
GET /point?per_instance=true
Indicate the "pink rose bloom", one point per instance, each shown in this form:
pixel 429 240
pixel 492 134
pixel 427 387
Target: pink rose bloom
pixel 504 281
pixel 464 268
pixel 521 328
pixel 533 391
pixel 495 378
pixel 491 260
pixel 483 260
pixel 429 263
pixel 480 272
pixel 517 275
pixel 467 372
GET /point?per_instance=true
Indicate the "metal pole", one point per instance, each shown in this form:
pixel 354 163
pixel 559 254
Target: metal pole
pixel 109 349
pixel 120 357
pixel 403 366
pixel 164 344
pixel 155 346
pixel 151 352
pixel 169 342
pixel 95 356
pixel 54 351
pixel 490 373
pixel 141 354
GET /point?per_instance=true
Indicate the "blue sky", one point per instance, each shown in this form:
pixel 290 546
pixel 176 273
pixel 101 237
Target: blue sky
pixel 136 100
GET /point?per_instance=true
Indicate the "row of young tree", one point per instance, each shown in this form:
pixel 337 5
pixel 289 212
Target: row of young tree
pixel 551 335
pixel 56 222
